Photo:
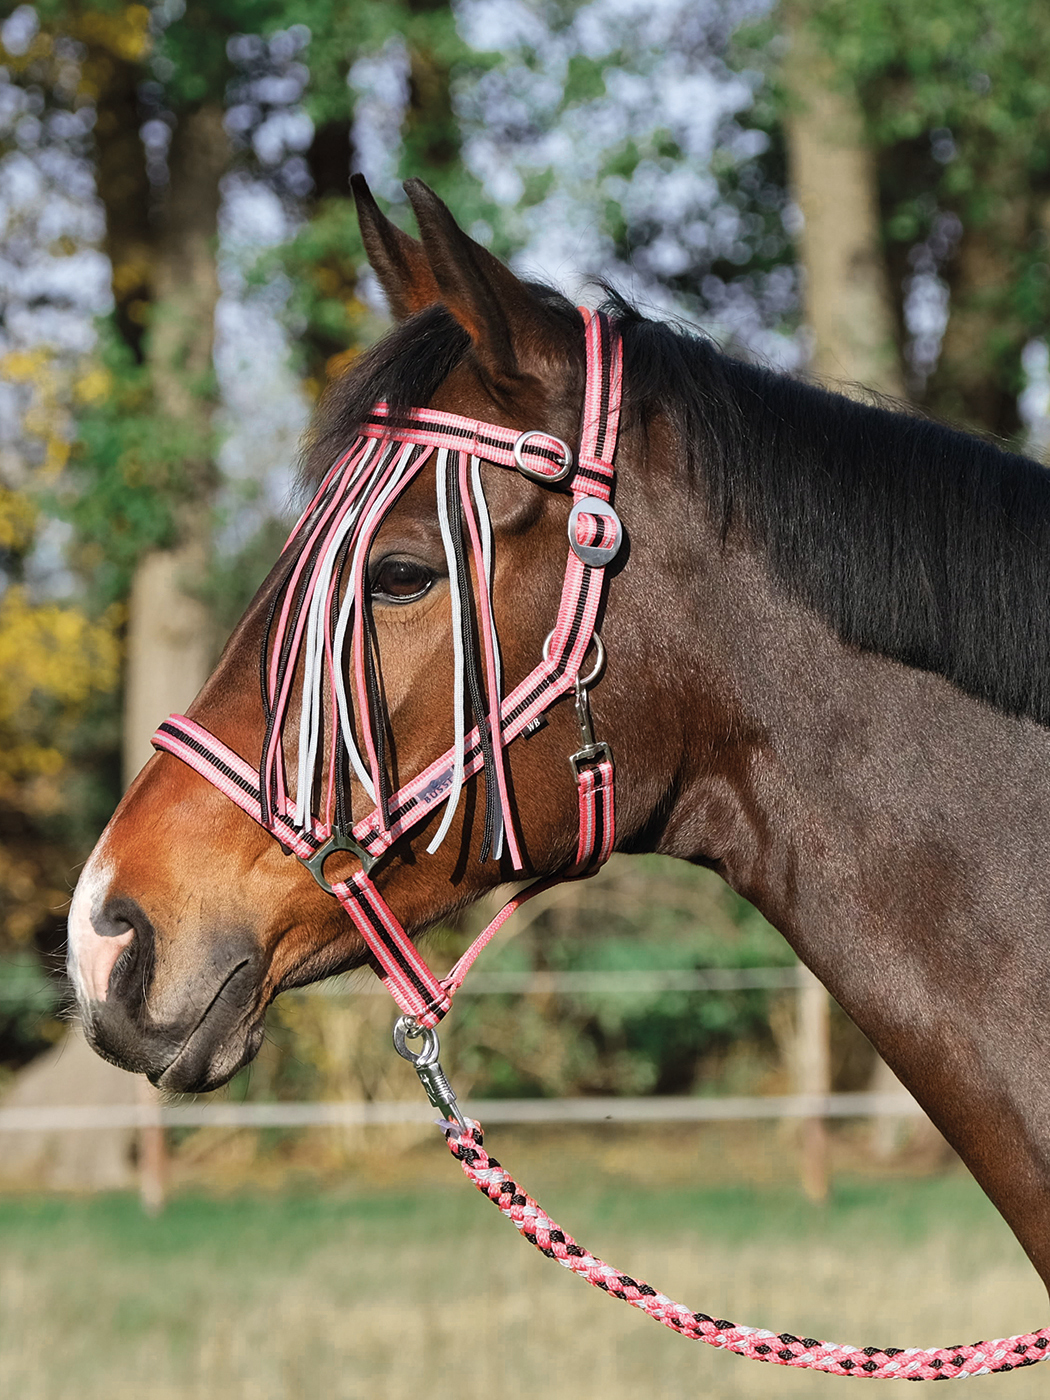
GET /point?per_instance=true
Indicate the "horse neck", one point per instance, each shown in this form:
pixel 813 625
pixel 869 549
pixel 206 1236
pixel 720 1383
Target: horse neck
pixel 892 828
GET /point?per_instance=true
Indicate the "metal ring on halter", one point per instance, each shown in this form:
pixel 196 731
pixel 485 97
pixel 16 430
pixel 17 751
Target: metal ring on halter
pixel 338 841
pixel 599 660
pixel 407 1028
pixel 532 472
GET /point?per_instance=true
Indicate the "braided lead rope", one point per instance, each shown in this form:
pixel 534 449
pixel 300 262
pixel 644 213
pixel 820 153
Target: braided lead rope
pixel 783 1349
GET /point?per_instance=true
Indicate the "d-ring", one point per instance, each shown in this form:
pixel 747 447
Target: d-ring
pixel 533 473
pixel 599 659
pixel 405 1028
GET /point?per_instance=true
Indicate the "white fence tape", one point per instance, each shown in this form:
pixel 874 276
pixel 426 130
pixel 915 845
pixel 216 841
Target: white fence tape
pixel 592 1110
pixel 303 1115
pixel 708 979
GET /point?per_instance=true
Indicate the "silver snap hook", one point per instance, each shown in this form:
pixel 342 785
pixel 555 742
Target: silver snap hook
pixel 428 1067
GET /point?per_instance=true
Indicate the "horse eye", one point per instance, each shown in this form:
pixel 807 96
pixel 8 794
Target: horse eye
pixel 401 581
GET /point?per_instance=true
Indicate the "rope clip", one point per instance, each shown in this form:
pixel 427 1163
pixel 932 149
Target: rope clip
pixel 428 1067
pixel 589 751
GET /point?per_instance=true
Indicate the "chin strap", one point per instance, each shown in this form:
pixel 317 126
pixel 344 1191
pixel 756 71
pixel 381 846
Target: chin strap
pixel 595 535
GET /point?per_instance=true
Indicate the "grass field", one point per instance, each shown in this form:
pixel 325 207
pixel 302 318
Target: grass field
pixel 411 1287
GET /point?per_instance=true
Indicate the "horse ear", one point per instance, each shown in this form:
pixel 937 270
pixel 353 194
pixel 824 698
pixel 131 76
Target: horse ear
pixel 498 312
pixel 397 259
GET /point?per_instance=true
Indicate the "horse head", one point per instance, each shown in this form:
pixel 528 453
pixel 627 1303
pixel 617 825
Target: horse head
pixel 189 916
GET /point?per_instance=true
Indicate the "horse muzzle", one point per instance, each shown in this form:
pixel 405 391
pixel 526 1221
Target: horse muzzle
pixel 188 1028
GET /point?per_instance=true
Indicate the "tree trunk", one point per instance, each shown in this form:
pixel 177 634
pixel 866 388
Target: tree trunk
pixel 169 635
pixel 832 168
pixel 169 641
pixel 124 189
pixel 973 383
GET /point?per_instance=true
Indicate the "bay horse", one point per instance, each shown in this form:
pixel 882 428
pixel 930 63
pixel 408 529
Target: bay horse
pixel 828 679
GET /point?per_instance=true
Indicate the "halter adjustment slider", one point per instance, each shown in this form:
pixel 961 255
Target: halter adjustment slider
pixel 604 547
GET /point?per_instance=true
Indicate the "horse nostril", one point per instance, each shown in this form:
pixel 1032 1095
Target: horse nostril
pixel 120 915
pixel 123 919
pixel 109 924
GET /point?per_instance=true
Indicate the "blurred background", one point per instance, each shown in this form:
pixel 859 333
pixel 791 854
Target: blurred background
pixel 857 190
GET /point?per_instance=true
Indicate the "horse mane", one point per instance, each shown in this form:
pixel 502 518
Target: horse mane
pixel 911 539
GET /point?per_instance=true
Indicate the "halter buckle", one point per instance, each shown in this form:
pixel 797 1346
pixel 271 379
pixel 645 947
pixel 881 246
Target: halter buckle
pixel 338 841
pixel 545 478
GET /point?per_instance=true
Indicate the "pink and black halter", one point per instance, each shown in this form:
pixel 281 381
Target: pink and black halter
pixel 319 637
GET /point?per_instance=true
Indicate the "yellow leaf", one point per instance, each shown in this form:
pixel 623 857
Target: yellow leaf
pixel 17 519
pixel 94 386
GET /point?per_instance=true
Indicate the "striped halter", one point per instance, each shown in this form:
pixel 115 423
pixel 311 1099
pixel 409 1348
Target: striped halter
pixel 320 636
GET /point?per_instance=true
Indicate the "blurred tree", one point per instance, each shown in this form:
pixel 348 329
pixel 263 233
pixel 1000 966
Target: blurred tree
pixel 382 77
pixel 58 659
pixel 847 302
pixel 633 142
pixel 957 101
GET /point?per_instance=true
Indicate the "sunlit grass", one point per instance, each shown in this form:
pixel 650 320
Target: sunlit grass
pixel 421 1289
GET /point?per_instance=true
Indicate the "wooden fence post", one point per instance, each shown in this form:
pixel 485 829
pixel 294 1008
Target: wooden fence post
pixel 153 1151
pixel 813 1072
pixel 886 1132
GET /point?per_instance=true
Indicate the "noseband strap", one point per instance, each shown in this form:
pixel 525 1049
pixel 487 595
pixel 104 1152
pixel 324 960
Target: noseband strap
pixel 369 484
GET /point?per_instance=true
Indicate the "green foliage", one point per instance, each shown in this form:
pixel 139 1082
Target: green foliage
pixel 322 264
pixel 639 915
pixel 958 106
pixel 642 915
pixel 343 33
pixel 29 1002
pixel 192 50
pixel 324 260
pixel 129 470
pixel 58 658
pixel 980 73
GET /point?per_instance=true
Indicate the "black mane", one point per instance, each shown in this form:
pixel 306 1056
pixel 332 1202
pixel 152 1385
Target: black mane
pixel 405 369
pixel 911 539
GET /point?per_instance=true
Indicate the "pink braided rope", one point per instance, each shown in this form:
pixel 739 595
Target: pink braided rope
pixel 783 1349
